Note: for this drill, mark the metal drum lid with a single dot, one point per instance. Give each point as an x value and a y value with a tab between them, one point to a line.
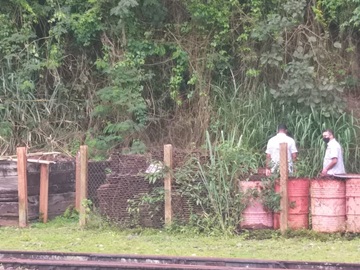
347	176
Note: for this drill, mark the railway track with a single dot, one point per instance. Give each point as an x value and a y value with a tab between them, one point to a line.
85	261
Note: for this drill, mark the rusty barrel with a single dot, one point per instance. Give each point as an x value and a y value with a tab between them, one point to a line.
353	205
255	215
298	199
328	208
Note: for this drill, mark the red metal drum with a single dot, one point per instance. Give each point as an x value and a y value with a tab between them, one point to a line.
298	197
328	208
353	205
255	216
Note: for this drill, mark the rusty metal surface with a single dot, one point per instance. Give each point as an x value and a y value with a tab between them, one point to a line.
62	260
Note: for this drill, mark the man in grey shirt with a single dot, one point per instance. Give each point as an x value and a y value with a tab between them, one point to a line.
333	159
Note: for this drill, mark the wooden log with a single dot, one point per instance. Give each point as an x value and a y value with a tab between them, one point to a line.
284	170
22	186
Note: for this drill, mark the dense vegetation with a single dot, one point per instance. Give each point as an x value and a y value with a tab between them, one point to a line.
145	72
215	73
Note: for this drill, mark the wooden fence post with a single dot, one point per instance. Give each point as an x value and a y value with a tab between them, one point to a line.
284	169
77	182
22	186
83	183
168	161
44	192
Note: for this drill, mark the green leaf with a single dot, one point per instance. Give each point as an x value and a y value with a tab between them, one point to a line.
273	91
300	100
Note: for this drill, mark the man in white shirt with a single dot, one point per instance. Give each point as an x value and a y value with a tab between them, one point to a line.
333	159
273	150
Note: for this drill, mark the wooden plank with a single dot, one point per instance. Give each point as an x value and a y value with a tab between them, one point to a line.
30	155
9	209
83	183
77	182
9	183
22	186
44	192
7	222
36	161
284	170
42	154
9	196
168	161
41	161
58	203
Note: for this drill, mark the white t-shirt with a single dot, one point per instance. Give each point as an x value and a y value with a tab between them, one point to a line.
273	149
333	150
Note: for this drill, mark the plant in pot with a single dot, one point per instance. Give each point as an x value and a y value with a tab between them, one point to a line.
263	201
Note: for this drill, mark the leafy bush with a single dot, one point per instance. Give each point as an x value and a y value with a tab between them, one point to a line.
212	184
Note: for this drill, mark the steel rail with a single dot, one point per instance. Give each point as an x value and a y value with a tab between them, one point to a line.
85	265
84	261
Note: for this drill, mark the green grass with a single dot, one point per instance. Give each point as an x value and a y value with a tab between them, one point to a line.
66	236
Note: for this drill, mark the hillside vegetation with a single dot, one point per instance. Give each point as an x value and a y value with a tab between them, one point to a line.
137	73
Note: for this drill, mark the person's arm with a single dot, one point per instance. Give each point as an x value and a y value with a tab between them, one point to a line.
294	158
268	165
328	167
293	150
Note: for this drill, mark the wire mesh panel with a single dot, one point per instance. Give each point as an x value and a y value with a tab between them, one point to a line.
126	181
115	184
182	205
97	172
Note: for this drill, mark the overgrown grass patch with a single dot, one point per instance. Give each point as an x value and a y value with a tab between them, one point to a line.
66	236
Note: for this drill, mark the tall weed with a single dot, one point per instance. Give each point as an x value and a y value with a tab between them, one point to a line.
212	184
256	116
